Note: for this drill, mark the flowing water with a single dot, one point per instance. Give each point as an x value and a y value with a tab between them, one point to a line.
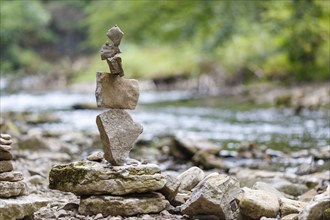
226	125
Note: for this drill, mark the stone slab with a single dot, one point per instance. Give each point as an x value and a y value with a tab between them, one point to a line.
12	176
12	189
113	91
93	178
18	208
118	132
123	205
6	166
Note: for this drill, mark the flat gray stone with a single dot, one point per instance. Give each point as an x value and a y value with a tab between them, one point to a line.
19	207
12	189
118	132
6	166
113	91
93	178
123	205
5	136
4	141
215	195
12	176
5	155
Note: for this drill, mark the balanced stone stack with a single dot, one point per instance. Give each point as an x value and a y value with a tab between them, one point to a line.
121	185
11	184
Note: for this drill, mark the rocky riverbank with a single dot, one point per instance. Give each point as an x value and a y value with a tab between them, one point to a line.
293	183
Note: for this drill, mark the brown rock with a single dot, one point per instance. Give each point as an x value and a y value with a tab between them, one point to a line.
5	155
118	132
115	35
112	91
115	65
13	176
5	166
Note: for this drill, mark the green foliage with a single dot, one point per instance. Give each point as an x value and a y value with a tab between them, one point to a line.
283	40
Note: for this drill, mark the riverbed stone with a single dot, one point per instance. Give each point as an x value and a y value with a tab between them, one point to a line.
5	136
12	176
293	216
289	206
6	166
113	91
93	178
5	155
215	195
190	178
12	189
171	187
19	207
96	156
123	205
258	203
294	189
118	132
318	208
4	141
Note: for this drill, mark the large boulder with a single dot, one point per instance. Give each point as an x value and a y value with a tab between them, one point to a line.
20	207
118	132
123	205
93	178
215	195
258	203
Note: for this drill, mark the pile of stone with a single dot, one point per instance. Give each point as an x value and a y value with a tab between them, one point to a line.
11	182
120	185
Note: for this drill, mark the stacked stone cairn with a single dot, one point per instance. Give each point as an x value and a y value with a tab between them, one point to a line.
120	185
11	182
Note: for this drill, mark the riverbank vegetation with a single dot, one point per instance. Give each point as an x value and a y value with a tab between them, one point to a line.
243	41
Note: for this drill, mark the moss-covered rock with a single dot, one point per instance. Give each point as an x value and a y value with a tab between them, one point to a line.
93	178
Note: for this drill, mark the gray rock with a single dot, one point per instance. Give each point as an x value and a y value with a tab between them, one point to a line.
113	91
6	166
93	178
316	209
115	35
180	198
268	188
96	156
5	147
33	142
12	189
215	195
18	208
289	206
5	155
294	189
12	176
123	205
171	187
118	132
258	203
5	141
190	178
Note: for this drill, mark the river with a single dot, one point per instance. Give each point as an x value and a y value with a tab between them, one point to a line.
227	126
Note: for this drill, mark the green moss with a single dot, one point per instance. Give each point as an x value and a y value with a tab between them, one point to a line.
60	175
